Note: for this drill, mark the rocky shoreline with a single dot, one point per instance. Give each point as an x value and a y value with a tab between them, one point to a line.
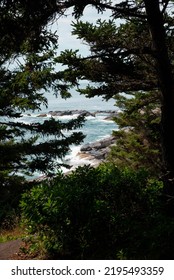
97	151
110	113
91	153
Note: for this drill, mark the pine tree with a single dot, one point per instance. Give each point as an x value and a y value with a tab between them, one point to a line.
138	136
28	70
135	56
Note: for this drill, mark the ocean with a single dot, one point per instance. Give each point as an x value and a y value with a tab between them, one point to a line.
95	128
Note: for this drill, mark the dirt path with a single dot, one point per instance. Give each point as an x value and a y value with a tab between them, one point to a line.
9	249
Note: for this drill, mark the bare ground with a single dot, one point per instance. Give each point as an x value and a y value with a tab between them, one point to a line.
10	249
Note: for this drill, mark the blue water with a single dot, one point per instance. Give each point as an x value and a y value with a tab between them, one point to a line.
95	128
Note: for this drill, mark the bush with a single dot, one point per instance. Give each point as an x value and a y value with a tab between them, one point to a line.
11	189
97	213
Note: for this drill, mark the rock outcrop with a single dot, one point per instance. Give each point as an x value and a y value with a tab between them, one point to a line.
71	112
97	150
110	113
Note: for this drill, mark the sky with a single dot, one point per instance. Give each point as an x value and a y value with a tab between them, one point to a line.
64	28
69	41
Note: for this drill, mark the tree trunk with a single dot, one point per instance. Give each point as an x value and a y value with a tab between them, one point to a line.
166	84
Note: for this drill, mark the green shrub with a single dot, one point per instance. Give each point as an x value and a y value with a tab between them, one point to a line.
97	213
11	189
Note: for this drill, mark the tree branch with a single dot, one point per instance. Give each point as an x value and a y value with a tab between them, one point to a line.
134	51
123	11
165	2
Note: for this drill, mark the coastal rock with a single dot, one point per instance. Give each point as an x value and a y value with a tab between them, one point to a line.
105	111
71	112
97	150
101	144
98	154
109	114
86	148
59	113
42	116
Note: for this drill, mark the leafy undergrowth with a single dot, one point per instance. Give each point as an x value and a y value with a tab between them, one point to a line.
30	248
100	213
30	251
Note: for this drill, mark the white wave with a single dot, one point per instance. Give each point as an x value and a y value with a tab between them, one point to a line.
74	159
90	118
67	117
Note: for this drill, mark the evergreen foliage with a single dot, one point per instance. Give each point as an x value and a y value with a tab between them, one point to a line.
135	56
100	213
28	70
119	63
138	136
116	61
